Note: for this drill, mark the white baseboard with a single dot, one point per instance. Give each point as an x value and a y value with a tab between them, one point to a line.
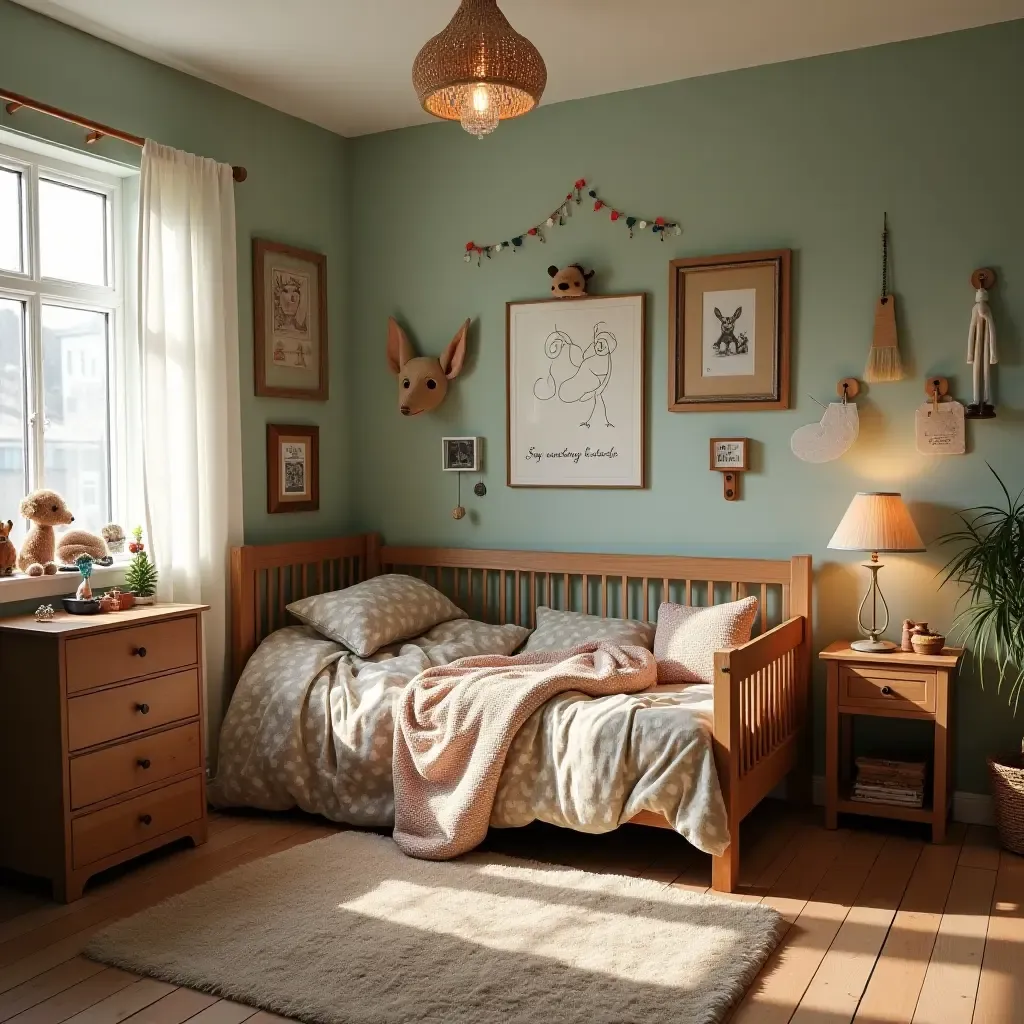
970	808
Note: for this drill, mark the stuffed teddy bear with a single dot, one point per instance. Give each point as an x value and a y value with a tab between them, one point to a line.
45	510
570	281
8	556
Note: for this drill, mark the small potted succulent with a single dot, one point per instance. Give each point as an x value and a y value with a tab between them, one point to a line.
989	563
141	576
114	536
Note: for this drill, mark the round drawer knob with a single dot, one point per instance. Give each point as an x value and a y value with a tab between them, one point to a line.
139	651
145	819
887	691
143	763
143	709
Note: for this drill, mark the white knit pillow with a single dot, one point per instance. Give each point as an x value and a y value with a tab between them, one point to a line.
687	638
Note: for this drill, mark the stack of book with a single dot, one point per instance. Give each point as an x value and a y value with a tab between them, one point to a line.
889	782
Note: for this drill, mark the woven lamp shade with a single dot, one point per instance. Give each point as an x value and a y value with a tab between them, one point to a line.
877	521
479	48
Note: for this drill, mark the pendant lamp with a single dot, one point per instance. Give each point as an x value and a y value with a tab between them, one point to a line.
479	70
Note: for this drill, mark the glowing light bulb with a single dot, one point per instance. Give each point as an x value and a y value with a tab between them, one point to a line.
479	114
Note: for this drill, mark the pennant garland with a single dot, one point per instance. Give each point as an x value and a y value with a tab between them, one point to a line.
659	226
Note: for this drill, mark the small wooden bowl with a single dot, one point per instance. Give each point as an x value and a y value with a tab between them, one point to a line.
927	644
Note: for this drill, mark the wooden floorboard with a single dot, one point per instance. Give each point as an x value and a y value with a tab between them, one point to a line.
880	927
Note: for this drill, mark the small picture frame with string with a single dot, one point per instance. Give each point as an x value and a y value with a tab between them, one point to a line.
460	454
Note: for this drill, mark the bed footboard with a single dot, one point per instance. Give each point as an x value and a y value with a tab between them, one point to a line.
761	707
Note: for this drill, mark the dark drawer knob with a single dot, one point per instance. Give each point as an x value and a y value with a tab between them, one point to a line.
143	762
145	819
886	691
140	651
143	709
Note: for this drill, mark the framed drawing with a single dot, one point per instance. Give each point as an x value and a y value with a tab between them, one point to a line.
729	454
729	332
293	468
289	321
574	371
460	454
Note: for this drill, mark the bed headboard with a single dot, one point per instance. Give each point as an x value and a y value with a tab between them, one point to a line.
506	586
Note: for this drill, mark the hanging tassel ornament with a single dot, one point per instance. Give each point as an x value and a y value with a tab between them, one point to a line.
884	363
981	347
459	512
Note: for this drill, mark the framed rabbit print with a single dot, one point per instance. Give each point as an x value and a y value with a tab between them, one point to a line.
729	332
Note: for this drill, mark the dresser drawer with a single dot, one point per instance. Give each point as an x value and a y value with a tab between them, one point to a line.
128	766
134	708
871	687
121	654
102	833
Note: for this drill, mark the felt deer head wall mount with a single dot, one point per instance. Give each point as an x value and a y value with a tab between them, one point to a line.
423	380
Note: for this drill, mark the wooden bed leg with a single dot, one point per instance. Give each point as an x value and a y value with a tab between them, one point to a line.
725	870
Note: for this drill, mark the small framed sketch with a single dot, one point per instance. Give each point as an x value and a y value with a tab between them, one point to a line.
293	468
289	321
730	454
460	454
575	392
729	332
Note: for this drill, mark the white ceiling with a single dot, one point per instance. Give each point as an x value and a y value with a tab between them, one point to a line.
345	64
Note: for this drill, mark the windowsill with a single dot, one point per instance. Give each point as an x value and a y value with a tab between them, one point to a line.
27	588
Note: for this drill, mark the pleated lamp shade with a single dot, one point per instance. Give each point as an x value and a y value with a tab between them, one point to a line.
877	521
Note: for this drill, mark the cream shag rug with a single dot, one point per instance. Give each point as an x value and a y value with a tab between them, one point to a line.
348	930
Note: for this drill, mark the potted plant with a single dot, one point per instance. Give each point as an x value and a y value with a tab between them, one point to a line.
990	564
140	577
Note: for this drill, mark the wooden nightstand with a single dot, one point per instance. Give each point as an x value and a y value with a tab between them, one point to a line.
896	685
101	739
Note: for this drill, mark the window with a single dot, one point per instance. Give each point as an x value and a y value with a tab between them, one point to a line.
60	321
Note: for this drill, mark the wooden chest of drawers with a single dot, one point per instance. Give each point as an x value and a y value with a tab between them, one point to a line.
101	740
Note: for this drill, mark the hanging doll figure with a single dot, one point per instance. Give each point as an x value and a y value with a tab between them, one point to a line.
981	347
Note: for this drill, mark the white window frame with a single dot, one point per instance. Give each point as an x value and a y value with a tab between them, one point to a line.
37	161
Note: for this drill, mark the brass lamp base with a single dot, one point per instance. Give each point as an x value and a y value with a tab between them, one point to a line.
873	646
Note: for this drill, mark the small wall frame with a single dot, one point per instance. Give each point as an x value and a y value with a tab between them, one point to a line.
461	454
293	468
730	456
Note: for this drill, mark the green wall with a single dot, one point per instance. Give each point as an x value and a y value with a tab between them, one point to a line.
297	192
805	155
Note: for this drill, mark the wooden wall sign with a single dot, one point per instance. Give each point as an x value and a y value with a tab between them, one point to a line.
730	457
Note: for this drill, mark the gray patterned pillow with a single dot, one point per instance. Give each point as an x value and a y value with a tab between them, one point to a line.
557	631
376	612
463	638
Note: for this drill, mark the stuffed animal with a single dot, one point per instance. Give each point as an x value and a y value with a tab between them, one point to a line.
45	510
570	281
423	380
8	556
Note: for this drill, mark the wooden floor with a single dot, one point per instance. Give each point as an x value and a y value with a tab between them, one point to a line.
882	927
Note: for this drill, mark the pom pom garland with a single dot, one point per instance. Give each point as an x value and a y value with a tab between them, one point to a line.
660	226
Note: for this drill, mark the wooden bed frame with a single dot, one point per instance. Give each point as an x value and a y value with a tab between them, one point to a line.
761	690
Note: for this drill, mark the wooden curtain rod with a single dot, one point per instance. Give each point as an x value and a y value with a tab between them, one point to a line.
97	131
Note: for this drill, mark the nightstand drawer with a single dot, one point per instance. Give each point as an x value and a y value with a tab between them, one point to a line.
128	766
127	710
102	833
120	654
868	686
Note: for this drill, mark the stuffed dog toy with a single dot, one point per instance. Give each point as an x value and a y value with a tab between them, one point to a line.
8	556
423	380
45	510
570	281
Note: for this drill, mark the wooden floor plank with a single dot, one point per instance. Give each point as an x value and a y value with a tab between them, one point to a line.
1001	987
774	997
124	1004
981	848
224	1011
951	982
892	992
78	998
174	1008
840	980
48	984
15	902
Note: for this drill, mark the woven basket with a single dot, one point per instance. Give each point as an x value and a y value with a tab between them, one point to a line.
927	643
1008	791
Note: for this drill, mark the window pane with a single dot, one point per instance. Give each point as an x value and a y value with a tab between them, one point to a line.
13	431
76	449
10	220
72	233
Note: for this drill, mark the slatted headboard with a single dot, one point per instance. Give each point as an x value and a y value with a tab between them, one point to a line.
507	586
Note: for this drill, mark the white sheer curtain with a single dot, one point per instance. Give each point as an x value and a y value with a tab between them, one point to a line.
188	363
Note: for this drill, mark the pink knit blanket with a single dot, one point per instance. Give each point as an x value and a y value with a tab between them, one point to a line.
455	723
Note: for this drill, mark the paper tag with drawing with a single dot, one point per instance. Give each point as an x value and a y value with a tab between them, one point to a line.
940	429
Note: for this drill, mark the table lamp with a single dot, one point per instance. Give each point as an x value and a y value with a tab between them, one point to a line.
875	521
